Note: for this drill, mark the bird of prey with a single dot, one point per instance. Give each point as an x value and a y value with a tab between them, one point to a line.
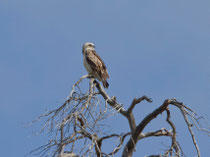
94	64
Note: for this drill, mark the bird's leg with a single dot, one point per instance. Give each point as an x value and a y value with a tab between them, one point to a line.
91	85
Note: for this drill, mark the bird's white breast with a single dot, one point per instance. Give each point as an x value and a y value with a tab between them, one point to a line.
86	65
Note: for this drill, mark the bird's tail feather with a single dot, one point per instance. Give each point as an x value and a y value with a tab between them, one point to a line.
105	84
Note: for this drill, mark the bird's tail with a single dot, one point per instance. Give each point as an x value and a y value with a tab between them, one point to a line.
105	84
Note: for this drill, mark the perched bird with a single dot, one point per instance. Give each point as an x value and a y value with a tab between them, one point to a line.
93	63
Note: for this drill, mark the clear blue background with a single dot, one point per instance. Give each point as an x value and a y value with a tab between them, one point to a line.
156	48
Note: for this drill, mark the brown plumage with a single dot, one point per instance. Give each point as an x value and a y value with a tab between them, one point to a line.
94	64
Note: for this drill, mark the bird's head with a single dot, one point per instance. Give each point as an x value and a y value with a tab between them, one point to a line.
87	45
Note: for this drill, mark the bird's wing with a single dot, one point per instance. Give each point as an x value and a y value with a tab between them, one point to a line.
96	63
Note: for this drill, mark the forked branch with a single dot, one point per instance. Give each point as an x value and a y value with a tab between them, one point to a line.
78	121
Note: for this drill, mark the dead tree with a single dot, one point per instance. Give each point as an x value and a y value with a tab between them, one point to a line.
77	131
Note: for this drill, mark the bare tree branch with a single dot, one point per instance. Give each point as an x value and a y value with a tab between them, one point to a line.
78	122
130	146
136	101
190	130
128	114
173	137
161	132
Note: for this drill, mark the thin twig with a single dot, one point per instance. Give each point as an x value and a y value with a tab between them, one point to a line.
190	130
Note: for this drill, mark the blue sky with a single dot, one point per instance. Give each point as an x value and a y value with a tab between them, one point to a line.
156	48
